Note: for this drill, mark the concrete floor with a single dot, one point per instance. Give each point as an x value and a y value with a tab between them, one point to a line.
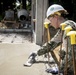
13	56
15	37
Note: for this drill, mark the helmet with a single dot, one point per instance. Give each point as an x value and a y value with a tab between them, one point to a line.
54	8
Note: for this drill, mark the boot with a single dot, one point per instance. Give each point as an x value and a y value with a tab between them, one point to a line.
31	60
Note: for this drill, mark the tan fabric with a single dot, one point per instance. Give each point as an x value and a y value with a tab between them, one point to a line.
57	37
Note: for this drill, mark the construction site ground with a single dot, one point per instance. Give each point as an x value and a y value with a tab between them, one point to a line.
14	51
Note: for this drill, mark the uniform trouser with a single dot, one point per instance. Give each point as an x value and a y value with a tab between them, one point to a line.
70	62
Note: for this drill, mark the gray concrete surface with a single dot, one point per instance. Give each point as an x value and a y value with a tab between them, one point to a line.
14	55
15	37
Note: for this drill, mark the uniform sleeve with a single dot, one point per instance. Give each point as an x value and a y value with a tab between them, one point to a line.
71	23
51	45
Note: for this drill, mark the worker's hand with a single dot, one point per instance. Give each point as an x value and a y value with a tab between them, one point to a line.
62	54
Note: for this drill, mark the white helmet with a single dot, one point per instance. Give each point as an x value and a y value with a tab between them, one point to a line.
54	8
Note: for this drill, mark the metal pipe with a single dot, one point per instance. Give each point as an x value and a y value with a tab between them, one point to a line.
72	35
62	31
67	29
15	30
46	25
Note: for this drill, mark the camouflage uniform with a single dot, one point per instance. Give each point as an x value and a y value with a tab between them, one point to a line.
56	41
70	58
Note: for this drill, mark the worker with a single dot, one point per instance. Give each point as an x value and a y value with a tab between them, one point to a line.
56	14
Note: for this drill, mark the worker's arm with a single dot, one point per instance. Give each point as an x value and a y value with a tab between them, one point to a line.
50	46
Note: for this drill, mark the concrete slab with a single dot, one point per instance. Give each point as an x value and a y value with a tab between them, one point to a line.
13	56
